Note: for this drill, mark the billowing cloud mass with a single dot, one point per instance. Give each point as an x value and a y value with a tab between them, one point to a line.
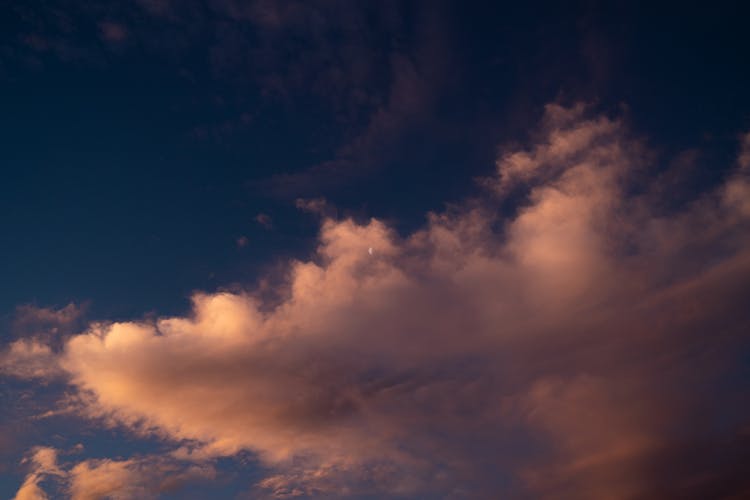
584	345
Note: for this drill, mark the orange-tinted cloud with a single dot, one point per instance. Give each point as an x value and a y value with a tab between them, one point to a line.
135	478
560	351
29	359
43	461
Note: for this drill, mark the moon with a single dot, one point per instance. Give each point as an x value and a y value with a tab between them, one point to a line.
369	250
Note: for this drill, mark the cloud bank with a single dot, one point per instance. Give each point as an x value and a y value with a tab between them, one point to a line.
582	344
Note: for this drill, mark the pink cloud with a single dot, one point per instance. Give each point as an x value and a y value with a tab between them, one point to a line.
43	461
264	220
141	477
30	317
580	327
113	32
29	359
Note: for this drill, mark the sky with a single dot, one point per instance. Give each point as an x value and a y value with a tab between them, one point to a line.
390	249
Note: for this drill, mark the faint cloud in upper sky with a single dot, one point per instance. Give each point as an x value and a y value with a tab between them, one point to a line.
264	220
318	206
113	32
30	319
242	242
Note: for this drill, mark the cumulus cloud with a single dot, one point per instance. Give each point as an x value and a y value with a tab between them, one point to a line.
560	351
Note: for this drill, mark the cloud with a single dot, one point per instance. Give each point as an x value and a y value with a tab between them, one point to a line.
264	220
377	69
737	190
570	135
560	352
382	90
43	462
30	490
318	206
29	359
30	319
113	32
135	478
409	98
744	158
40	331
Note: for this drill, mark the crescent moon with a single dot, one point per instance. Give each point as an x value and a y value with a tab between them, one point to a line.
369	250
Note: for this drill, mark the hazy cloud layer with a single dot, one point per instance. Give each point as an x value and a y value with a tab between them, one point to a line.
575	349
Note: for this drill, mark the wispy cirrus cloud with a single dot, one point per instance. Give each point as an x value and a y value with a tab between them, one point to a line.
561	352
